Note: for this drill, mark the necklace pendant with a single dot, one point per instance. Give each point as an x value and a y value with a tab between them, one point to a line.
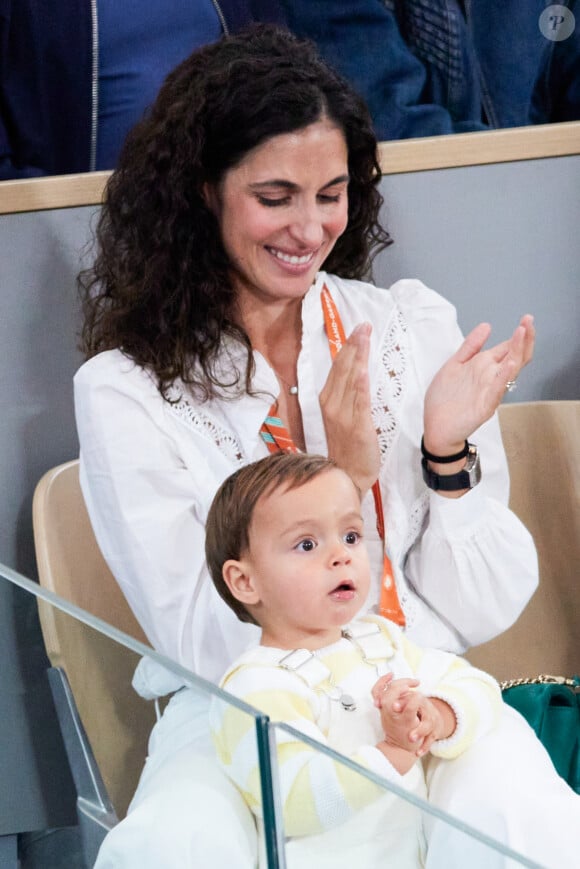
293	390
348	703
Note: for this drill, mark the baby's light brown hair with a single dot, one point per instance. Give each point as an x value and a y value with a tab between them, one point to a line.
230	515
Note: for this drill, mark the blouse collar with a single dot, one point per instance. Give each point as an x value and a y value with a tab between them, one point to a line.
246	413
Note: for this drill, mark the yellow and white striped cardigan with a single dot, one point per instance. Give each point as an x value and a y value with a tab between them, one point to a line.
319	793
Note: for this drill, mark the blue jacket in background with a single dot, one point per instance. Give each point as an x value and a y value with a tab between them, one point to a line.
412	61
429	67
511	53
556	95
425	67
49	77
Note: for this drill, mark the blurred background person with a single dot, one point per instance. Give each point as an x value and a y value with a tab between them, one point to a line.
432	67
76	76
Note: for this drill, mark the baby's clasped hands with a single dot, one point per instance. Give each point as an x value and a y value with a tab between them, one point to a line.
411	720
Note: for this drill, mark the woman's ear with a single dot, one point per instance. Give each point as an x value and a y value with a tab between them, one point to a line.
236	575
210	197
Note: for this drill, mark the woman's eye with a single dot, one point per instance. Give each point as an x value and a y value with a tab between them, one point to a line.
326	197
272	203
306	545
352	537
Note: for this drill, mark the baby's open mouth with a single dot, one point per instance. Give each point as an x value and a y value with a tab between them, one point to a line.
344	590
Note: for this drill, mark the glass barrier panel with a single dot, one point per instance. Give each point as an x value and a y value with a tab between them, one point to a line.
336	812
109	731
333	810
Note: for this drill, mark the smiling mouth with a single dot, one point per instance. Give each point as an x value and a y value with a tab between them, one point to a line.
291	259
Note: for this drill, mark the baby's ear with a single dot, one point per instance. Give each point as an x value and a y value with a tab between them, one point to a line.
237	578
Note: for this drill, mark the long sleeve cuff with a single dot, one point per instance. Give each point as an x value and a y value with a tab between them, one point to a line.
456	517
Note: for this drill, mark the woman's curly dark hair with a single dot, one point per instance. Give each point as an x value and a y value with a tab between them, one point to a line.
160	287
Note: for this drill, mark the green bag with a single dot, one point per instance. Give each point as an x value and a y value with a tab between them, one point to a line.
551	705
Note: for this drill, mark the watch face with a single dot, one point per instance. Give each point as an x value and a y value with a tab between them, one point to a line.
473	467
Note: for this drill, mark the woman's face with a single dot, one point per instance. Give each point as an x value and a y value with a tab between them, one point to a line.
281	211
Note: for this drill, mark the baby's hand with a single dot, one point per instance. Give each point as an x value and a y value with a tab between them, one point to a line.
397	701
411	720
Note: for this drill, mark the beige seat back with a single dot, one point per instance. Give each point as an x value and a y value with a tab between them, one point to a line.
542	442
117	721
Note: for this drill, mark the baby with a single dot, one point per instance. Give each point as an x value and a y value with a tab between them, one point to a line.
285	548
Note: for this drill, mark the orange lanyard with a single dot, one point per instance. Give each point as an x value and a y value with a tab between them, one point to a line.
277	437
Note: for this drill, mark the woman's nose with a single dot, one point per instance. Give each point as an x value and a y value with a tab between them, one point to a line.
307	228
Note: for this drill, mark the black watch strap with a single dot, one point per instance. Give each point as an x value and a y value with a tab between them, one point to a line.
444	460
466	478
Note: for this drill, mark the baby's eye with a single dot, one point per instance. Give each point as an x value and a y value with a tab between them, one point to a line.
306	545
352	537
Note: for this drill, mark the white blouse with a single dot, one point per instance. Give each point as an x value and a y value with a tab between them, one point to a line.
464	567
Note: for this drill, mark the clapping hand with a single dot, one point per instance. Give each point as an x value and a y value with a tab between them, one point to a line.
468	388
464	393
345	402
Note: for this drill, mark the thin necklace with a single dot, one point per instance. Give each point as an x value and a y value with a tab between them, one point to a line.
292	390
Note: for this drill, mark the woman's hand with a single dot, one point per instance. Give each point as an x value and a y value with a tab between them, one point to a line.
467	390
345	402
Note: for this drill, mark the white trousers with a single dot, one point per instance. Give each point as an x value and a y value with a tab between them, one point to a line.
506	787
186	814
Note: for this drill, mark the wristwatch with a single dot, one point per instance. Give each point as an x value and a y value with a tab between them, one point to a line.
466	478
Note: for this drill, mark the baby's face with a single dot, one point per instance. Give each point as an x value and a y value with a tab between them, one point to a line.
308	562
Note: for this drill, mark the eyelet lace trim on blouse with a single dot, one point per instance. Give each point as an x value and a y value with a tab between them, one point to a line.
388	395
206	426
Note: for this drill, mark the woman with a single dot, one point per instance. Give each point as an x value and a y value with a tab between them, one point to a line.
207	313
